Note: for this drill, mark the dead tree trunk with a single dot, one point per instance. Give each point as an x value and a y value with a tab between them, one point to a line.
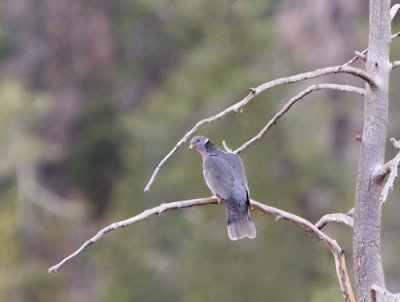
367	219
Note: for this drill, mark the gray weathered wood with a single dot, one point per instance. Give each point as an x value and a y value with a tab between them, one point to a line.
367	217
381	295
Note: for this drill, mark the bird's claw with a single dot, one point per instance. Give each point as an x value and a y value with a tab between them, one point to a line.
218	199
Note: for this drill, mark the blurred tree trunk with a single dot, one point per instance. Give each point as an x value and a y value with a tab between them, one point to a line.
367	221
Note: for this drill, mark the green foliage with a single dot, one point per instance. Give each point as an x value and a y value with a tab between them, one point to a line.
94	159
7	43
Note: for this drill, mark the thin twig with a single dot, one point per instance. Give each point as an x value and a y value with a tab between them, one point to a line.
253	93
291	102
337	252
395	64
342	218
363	54
389	168
357	56
395	35
227	149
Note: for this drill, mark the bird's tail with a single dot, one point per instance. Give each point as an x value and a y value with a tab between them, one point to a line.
240	225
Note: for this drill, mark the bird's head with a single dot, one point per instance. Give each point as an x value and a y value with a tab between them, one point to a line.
200	143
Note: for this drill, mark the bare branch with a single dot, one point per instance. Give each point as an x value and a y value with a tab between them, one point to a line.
253	93
346	219
379	294
395	64
291	102
395	35
314	74
363	54
337	252
227	149
389	168
142	216
393	11
357	56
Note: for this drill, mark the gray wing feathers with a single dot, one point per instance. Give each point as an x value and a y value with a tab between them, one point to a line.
238	167
225	176
218	175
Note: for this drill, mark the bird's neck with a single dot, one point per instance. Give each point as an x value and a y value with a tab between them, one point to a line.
210	147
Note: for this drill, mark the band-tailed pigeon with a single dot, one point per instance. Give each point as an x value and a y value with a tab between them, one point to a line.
225	176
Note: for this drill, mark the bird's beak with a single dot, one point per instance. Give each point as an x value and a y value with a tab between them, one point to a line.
191	146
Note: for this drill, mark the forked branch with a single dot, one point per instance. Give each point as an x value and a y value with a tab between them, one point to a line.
304	224
253	93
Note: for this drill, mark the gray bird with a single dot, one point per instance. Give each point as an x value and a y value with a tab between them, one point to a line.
225	176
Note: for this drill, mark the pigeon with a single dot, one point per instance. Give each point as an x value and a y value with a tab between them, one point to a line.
225	176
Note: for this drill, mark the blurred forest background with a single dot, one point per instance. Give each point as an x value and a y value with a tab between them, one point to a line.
94	93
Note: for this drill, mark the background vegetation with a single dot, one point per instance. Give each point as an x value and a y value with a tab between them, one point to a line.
94	93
